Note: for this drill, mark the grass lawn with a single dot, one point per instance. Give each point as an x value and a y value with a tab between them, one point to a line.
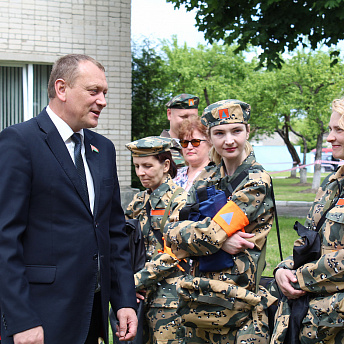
290	189
288	236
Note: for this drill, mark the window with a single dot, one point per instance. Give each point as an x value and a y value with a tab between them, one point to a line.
41	75
23	92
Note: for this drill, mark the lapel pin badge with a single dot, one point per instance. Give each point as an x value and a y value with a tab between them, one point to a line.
94	149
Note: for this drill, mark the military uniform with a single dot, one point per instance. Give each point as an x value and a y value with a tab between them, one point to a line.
195	239
323	278
181	101
222	304
176	150
161	270
160	274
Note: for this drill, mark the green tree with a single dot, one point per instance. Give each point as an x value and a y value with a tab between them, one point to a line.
302	89
149	91
318	84
272	101
275	25
149	94
210	72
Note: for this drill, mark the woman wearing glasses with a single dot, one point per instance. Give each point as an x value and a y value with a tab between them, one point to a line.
195	148
223	226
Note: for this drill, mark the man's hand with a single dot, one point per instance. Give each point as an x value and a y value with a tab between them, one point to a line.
283	278
237	242
127	324
32	336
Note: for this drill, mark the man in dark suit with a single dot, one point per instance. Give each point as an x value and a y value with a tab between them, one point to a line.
63	250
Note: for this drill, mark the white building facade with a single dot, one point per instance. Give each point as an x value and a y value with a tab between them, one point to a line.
34	33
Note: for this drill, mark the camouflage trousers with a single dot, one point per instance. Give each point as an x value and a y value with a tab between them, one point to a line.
164	326
323	323
223	317
247	334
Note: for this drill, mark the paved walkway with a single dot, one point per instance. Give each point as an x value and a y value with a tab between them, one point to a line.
293	208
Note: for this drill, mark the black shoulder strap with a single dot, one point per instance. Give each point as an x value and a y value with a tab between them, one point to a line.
202	194
234	184
261	260
276	221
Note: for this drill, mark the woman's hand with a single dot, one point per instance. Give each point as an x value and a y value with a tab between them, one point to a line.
284	278
237	242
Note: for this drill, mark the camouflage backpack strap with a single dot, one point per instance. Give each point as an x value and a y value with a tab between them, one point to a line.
176	193
183	264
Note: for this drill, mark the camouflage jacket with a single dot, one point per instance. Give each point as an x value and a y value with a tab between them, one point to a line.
325	275
160	271
323	278
252	196
176	150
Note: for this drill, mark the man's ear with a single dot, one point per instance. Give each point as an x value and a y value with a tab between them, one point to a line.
60	89
169	111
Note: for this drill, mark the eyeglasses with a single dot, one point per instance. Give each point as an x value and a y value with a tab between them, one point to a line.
194	142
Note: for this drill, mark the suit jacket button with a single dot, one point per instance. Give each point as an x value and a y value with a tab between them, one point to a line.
95	257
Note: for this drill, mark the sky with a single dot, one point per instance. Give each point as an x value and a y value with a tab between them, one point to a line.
157	19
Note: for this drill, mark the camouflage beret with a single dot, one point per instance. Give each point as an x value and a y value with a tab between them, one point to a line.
226	111
151	145
183	101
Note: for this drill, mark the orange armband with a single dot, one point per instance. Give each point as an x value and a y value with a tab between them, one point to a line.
231	218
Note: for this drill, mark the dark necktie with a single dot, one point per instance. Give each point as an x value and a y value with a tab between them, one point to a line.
79	164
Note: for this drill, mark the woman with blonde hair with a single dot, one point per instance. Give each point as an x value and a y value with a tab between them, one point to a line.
223	226
319	281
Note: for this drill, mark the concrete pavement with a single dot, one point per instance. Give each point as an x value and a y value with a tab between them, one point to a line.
293	208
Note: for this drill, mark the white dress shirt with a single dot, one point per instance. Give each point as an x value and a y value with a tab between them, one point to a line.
66	132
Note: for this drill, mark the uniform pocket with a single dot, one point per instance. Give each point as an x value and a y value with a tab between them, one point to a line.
213	305
336	214
326	311
334	231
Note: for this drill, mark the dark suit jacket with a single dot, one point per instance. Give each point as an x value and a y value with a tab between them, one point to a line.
49	238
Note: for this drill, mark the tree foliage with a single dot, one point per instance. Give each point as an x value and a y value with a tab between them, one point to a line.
212	73
149	91
274	25
317	84
302	89
149	95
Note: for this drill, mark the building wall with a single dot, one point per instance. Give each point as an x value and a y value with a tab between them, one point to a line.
39	31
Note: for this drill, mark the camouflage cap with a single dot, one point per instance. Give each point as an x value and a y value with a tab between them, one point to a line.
183	101
150	145
226	111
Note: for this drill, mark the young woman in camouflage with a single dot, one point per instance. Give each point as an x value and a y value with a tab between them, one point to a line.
156	282
220	301
321	279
